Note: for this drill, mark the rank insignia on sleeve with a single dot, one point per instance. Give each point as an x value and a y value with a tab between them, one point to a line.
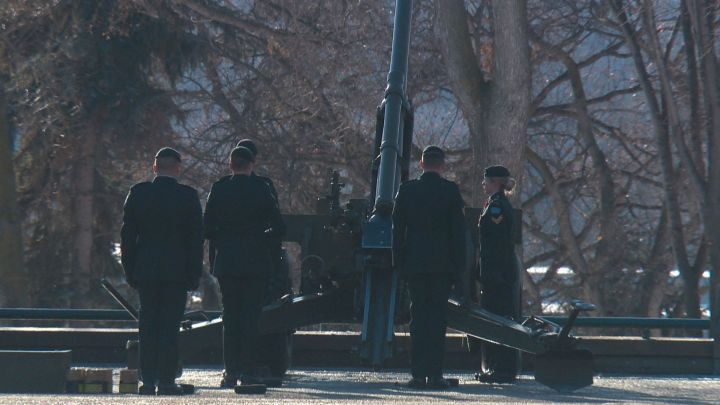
497	220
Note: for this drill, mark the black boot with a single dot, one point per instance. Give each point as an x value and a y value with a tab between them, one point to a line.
416	383
146	389
229	380
251	379
438	383
169	389
495	377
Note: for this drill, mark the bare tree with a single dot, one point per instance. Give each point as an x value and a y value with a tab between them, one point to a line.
14	290
591	189
677	130
495	103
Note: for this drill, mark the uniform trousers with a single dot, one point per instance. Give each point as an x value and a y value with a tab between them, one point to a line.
500	299
162	306
242	299
428	310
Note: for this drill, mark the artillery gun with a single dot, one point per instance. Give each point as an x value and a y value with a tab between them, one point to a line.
347	272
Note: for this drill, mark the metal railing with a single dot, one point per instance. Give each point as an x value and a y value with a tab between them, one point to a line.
634	322
66	314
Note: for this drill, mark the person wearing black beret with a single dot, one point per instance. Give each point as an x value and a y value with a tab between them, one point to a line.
429	252
161	245
250	144
498	271
279	284
241	220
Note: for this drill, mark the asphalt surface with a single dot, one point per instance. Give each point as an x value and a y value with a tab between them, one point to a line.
354	386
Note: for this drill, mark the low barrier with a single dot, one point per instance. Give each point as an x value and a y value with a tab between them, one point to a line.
639	355
65	314
632	355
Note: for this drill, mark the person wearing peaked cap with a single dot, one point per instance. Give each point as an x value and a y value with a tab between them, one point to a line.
168	152
241	221
161	245
429	252
499	271
433	151
279	283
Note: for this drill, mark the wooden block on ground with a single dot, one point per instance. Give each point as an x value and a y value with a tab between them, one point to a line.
128	388
34	371
128	375
97	381
74	378
128	381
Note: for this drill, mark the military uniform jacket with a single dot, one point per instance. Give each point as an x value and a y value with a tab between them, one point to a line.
498	263
241	220
264	179
428	227
161	236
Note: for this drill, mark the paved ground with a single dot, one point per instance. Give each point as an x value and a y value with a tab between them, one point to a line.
313	386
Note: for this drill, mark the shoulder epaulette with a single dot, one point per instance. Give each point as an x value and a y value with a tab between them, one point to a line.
409	183
140	185
263	178
189	188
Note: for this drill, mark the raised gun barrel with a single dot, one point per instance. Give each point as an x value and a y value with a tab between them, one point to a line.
393	141
380	281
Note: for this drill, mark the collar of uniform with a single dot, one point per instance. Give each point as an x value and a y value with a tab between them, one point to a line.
240	176
496	196
430	175
164	179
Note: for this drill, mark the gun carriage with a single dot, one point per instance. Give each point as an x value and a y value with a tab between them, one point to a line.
347	272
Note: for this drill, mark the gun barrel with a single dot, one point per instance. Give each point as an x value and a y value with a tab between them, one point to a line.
390	148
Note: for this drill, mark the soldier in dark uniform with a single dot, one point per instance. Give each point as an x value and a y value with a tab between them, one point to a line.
429	251
248	143
279	281
162	258
498	272
241	220
278	285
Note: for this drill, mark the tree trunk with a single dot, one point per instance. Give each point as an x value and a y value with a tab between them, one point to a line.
496	111
210	296
83	214
466	80
14	285
702	19
691	294
531	294
610	240
567	235
510	91
657	268
664	122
